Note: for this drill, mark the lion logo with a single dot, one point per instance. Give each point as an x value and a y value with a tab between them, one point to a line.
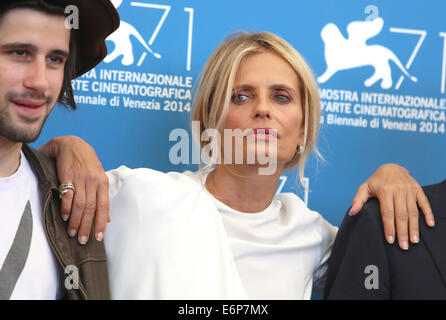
353	52
123	44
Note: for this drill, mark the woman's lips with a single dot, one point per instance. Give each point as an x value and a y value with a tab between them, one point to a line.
262	133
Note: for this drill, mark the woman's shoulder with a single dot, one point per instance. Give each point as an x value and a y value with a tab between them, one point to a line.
296	208
150	203
294	204
146	179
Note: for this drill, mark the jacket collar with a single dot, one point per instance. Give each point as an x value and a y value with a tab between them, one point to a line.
435	238
45	177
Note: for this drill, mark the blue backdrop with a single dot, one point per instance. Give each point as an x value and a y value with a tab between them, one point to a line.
131	102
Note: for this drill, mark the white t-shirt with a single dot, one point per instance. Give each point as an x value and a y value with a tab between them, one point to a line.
279	253
170	239
39	278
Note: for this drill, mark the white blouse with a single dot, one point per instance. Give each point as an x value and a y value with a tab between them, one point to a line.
171	239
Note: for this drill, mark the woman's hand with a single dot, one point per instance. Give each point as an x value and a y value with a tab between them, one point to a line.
398	194
78	164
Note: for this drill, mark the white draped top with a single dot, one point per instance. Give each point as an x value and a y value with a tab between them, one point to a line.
171	239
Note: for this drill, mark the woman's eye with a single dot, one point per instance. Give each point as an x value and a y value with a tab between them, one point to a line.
282	98
239	98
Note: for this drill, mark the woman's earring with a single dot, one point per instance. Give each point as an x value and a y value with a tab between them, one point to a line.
300	149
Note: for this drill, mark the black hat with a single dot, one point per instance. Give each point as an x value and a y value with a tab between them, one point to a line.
97	20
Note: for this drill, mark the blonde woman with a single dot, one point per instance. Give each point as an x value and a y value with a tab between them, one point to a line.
222	233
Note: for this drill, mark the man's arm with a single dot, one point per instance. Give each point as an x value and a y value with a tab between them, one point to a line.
358	266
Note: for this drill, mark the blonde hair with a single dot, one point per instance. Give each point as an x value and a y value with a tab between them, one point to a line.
217	79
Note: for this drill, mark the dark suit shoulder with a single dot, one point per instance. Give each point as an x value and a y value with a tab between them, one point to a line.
367	220
436	194
359	246
417	273
429	189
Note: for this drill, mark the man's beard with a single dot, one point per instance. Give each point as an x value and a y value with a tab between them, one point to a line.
27	133
19	134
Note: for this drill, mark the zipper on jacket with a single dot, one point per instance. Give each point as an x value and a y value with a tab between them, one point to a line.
45	210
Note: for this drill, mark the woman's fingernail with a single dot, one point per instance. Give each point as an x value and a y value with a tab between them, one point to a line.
100	236
405	245
83	240
415	238
65	217
390	239
72	233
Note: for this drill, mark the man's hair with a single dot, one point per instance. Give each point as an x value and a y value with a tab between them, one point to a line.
66	96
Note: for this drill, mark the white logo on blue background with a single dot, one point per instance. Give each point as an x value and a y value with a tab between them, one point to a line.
353	52
122	38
